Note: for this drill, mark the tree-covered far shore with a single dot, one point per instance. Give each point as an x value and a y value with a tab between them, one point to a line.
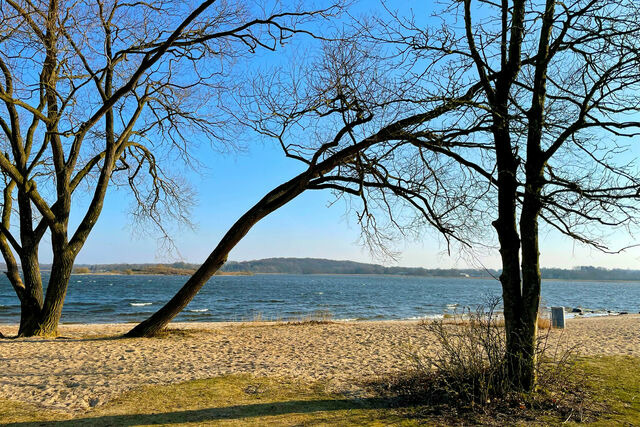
327	266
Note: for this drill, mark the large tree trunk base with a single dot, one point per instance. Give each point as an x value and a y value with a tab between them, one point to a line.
522	372
29	319
521	360
38	330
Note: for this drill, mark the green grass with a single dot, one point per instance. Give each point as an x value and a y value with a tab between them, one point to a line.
240	400
616	383
231	400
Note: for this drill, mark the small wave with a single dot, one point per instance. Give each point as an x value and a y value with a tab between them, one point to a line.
140	304
198	310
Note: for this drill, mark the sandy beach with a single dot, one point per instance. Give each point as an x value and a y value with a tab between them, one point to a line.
87	367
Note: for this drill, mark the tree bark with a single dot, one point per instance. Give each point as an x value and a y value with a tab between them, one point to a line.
531	281
531	206
56	293
51	312
506	228
526	322
32	298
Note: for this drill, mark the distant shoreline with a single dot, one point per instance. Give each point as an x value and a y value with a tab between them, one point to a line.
320	266
151	273
249	273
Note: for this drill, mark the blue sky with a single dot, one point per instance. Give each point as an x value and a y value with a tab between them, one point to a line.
306	227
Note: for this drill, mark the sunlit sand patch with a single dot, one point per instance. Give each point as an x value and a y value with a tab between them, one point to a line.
90	367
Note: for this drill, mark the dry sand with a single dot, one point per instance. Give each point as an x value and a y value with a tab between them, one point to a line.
85	369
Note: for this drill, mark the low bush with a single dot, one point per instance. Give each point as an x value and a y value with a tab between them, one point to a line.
467	375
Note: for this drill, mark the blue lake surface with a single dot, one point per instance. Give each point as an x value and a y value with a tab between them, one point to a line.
115	298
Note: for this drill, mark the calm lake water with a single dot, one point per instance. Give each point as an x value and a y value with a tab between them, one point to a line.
102	299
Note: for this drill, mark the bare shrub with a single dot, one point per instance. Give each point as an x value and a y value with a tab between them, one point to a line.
469	366
468	374
318	317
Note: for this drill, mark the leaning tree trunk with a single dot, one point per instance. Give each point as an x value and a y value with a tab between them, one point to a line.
275	199
272	201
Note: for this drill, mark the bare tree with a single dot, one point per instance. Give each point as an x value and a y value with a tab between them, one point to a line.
485	121
559	95
322	117
94	92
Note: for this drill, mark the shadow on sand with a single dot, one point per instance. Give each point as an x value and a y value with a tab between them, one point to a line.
224	413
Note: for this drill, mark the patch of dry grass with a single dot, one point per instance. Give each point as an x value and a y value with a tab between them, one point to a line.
463	320
316	317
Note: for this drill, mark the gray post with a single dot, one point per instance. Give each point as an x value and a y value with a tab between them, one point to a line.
557	317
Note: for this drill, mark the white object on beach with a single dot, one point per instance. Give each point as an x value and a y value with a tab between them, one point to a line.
557	317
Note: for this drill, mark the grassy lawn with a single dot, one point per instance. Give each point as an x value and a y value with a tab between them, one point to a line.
230	400
244	400
616	382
